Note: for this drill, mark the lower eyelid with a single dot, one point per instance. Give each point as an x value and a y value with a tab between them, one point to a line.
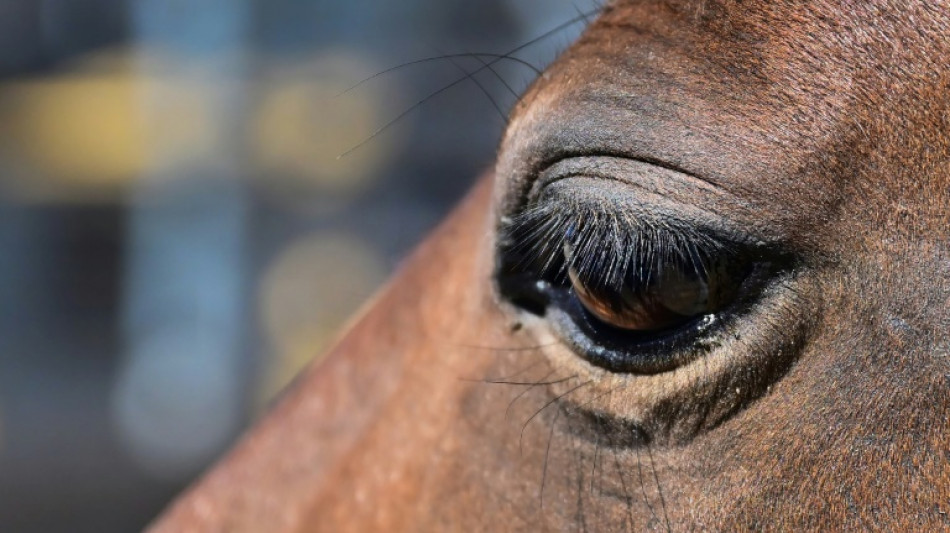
657	188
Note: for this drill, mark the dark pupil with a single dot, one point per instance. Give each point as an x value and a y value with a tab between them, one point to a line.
670	295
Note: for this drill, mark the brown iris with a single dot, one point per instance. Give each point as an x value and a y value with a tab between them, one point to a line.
671	296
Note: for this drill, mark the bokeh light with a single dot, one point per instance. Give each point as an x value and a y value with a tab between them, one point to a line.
305	118
307	293
175	406
80	125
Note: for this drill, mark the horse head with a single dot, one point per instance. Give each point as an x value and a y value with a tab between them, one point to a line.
706	287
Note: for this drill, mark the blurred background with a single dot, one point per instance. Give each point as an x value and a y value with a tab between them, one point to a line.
178	234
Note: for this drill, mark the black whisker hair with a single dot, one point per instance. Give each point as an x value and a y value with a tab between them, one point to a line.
444	88
441	57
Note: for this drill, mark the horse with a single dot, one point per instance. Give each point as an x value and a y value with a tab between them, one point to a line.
706	287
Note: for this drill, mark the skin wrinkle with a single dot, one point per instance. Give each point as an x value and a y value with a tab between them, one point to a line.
824	406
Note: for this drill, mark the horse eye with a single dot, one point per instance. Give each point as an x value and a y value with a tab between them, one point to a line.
630	291
673	295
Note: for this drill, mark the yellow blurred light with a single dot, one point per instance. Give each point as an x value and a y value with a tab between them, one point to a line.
117	114
86	128
110	118
307	294
303	123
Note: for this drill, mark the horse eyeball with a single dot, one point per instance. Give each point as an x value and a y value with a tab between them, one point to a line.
671	298
683	294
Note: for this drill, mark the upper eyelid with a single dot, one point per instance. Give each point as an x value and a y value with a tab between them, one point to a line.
651	206
621	169
678	195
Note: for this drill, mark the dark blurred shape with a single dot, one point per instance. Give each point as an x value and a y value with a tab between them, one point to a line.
41	34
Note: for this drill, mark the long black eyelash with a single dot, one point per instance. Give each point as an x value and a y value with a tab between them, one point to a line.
610	245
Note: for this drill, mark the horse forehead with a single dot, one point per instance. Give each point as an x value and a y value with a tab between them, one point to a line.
747	18
810	48
813	46
741	91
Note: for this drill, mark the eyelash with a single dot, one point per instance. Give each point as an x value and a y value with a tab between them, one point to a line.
607	246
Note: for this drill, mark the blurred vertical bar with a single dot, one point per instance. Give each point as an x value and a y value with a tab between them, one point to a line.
180	391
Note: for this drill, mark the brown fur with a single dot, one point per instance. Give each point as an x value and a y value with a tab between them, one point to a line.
824	125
